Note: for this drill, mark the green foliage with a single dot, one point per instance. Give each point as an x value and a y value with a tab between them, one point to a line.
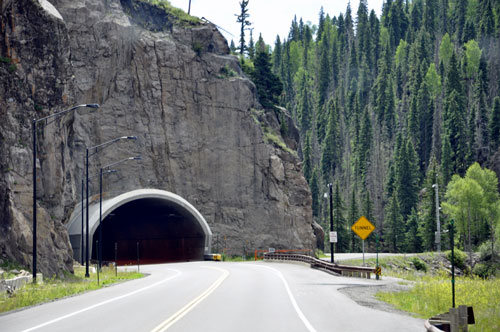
227	72
419	264
242	18
197	48
269	86
425	72
178	13
473	55
459	258
445	49
494	126
432	295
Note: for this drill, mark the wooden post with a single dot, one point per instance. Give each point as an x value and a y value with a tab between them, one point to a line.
462	319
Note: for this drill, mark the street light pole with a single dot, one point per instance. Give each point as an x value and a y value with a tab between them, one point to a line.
33	128
100	200
332	257
83	220
438	224
96	149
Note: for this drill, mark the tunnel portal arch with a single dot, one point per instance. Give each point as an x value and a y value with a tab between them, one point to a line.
166	226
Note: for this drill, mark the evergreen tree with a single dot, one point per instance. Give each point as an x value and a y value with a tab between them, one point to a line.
251	46
232	47
269	87
353	217
307	168
306	111
413	243
339	221
331	144
430	15
315	192
406	178
393	226
277	56
495	125
446	160
321	24
324	71
427	224
242	18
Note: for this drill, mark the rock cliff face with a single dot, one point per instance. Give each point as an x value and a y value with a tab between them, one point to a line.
173	85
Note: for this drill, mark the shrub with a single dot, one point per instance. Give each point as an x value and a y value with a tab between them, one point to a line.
197	48
460	258
419	264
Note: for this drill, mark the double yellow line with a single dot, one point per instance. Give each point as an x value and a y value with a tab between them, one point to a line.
191	305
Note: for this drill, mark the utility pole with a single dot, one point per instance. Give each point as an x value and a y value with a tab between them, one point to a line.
438	224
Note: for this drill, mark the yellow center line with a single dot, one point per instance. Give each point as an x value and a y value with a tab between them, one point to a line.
191	305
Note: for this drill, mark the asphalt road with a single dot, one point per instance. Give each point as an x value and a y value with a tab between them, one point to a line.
215	296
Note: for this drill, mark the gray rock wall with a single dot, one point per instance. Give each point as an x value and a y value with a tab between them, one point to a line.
177	89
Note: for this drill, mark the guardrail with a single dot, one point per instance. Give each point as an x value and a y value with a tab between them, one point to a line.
344	270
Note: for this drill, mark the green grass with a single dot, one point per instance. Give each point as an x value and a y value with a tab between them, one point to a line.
53	289
432	295
181	15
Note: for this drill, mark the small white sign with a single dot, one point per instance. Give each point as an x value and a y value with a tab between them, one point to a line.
272	250
333	237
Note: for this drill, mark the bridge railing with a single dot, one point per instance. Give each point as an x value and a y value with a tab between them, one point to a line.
344	270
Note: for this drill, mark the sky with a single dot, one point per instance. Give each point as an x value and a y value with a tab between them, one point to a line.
269	17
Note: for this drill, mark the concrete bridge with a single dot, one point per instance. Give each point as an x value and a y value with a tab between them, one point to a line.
166	226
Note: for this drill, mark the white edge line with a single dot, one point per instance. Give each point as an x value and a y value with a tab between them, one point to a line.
193	303
177	273
302	317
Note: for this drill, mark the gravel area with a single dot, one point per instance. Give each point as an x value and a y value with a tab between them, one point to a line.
365	295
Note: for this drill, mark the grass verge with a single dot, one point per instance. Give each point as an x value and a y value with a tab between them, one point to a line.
432	295
53	289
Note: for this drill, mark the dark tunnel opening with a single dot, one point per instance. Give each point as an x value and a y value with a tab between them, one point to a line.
153	229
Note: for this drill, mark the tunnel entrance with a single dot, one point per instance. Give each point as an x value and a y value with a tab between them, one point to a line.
153	229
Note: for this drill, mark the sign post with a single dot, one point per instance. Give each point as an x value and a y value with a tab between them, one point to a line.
363	228
333	237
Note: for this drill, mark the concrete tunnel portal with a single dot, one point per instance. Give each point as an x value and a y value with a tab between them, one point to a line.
157	225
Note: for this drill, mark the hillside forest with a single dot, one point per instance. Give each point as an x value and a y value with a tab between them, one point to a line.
390	110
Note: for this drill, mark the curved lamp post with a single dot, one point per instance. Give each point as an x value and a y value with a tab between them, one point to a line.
108	170
97	148
34	126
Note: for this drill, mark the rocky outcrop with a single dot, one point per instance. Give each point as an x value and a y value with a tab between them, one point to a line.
174	85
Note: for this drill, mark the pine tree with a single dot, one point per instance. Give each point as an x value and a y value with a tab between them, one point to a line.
315	192
406	178
324	71
393	226
427	224
495	125
307	168
331	144
251	46
446	159
413	243
232	47
277	56
353	217
242	19
339	221
269	87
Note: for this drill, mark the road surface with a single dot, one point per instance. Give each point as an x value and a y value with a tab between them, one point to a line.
215	296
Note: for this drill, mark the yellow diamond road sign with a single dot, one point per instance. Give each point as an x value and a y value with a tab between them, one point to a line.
362	227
